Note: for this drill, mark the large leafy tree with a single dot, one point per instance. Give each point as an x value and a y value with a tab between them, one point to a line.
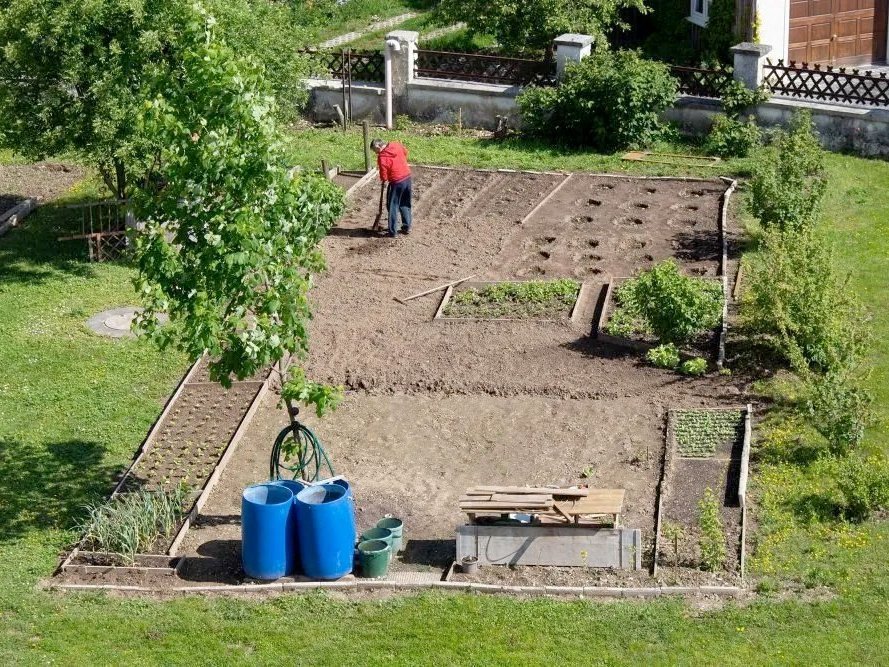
520	25
74	73
230	239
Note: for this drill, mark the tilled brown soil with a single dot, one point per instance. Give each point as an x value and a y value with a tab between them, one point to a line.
470	223
42	181
436	407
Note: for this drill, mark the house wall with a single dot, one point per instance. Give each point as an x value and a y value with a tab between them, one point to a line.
774	26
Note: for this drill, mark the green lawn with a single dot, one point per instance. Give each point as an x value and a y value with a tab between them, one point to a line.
352	16
74	407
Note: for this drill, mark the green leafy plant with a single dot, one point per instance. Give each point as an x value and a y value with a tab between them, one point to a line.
74	76
733	138
838	408
789	183
863	486
720	34
674	533
737	98
795	301
695	367
518	299
133	523
698	433
533	24
230	243
300	389
674	307
610	100
663	356
711	541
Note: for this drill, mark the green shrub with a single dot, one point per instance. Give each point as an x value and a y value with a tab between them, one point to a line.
737	98
675	307
789	181
795	301
712	538
610	100
269	33
863	486
720	34
663	356
838	408
733	138
695	367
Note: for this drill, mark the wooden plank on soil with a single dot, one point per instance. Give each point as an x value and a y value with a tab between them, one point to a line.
519	498
482	506
533	490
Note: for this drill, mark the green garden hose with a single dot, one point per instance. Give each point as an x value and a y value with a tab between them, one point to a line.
302	457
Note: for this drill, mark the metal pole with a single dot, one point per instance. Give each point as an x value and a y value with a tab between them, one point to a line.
365	128
343	84
349	60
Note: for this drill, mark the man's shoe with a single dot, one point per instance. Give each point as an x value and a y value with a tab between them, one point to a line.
405	230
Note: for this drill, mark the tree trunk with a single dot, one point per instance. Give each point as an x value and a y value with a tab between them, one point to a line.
120	173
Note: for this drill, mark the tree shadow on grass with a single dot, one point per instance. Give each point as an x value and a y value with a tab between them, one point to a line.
32	253
45	487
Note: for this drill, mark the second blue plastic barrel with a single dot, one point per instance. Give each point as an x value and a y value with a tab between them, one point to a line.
325	521
268	547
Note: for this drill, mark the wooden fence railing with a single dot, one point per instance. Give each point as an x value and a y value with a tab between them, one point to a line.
827	84
484	68
702	81
367	66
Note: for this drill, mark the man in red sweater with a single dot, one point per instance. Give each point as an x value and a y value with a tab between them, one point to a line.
394	170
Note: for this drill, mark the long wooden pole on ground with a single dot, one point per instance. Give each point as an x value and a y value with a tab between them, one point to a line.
435	289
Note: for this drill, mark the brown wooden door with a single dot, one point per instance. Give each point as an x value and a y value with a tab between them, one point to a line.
838	32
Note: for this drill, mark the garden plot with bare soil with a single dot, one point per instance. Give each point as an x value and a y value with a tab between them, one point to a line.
434	407
472	224
42	181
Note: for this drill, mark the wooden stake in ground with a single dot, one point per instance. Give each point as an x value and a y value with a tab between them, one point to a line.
434	289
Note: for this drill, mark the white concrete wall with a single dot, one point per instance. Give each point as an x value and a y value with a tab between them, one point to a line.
774	24
476	104
861	130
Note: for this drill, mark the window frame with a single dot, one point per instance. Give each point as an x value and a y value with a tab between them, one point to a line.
699	18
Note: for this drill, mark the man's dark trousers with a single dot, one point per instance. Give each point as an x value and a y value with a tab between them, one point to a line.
399	201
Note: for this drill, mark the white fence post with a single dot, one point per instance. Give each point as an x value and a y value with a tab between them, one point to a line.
749	62
400	52
571	48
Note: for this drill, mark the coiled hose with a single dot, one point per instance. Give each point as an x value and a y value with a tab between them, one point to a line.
298	454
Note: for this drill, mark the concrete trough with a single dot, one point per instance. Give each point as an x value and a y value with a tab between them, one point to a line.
564	546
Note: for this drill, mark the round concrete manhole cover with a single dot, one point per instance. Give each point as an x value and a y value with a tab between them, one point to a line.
116	323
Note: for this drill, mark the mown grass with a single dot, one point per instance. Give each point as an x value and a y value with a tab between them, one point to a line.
445	145
73	408
354	16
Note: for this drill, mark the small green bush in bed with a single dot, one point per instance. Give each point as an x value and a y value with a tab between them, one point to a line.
666	303
694	367
663	356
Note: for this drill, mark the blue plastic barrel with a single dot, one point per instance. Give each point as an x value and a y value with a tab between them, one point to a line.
295	486
325	522
268	547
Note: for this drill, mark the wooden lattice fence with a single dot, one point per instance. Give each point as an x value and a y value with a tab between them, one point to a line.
827	84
